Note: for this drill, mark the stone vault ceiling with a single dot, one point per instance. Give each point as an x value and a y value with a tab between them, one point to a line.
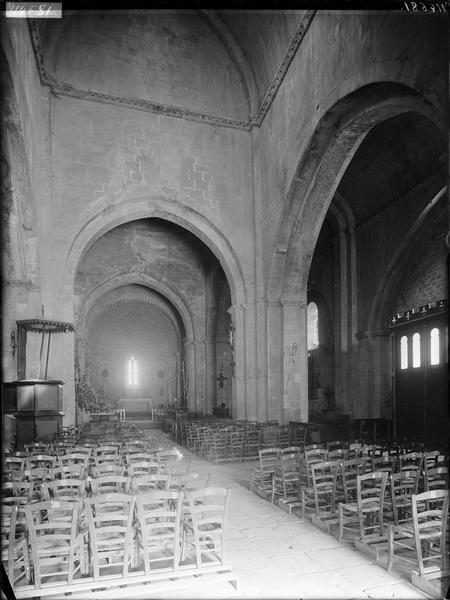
155	60
395	157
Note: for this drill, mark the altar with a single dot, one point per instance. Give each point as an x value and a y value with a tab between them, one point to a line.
136	406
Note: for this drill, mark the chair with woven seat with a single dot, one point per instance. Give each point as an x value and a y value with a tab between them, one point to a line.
104	469
108	484
204	528
13	543
145	483
67	472
189	482
436	479
261	475
349	471
312	455
74	458
403	485
144	468
365	516
423	539
158	529
63	489
37	447
41	461
110	522
384	463
56	544
411	461
320	497
286	477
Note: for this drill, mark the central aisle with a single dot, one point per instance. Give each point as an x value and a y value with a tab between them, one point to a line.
277	555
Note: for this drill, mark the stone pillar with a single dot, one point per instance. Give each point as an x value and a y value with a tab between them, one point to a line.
275	396
353	320
211	387
252	400
200	374
190	375
239	401
295	361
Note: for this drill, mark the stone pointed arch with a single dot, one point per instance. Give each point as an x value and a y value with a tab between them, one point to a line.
97	222
332	146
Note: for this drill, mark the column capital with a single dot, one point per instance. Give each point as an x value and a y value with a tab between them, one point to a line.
293	302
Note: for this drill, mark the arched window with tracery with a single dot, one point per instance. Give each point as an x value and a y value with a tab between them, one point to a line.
132	371
312	315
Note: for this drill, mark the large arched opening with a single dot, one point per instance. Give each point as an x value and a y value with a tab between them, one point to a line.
151	291
317	203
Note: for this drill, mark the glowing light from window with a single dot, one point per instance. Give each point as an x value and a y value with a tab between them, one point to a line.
416	350
404	352
434	346
132	371
312	315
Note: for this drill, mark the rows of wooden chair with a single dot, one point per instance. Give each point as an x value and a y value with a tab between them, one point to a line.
389	502
102	514
221	441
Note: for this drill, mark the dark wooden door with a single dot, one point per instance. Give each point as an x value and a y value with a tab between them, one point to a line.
421	379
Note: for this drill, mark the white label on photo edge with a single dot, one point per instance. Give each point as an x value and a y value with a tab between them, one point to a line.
33	10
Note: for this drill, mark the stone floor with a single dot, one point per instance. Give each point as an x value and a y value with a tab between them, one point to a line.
277	555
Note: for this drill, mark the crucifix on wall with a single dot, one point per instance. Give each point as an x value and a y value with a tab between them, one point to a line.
221	378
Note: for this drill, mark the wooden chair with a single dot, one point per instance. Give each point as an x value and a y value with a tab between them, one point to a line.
349	471
320	497
403	485
270	437
69	490
105	450
38	447
424	539
144	468
261	476
41	461
411	461
252	441
205	528
354	450
74	458
13	463
286	477
14	544
158	529
436	479
366	514
297	435
384	463
336	445
188	482
67	472
235	443
21	491
284	436
312	455
56	545
104	469
108	484
146	483
339	454
135	457
110	522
